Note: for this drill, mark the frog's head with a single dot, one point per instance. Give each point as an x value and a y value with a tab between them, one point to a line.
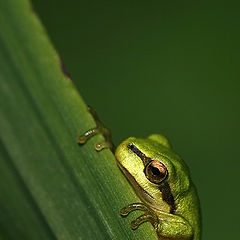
157	174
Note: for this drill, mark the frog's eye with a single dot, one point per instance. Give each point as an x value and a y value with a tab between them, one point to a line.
155	171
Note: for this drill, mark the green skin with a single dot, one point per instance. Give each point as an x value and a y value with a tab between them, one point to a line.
171	205
182	221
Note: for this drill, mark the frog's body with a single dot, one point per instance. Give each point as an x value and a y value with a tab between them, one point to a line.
161	180
174	199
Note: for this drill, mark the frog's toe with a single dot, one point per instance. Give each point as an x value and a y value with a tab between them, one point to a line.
143	218
125	211
81	139
100	146
84	137
134	206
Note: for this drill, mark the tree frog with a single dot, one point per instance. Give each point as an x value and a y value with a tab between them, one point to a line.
161	180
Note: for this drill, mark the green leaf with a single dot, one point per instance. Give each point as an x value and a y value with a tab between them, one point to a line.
51	188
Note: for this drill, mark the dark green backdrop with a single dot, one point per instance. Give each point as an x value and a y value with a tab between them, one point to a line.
163	66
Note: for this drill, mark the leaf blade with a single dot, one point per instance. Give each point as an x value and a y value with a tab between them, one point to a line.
41	115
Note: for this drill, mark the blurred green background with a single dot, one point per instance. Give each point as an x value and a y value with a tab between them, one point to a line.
168	67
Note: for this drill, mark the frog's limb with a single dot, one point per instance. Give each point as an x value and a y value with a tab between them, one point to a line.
167	226
173	226
99	129
149	215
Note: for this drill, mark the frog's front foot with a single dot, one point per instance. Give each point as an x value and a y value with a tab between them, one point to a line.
148	216
99	129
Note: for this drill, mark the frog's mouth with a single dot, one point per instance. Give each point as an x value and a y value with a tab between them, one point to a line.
141	192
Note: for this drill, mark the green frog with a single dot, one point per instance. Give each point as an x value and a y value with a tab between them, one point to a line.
161	180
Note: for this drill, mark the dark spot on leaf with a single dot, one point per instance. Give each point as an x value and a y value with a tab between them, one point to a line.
64	70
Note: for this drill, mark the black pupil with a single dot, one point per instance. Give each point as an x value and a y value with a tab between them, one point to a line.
155	171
